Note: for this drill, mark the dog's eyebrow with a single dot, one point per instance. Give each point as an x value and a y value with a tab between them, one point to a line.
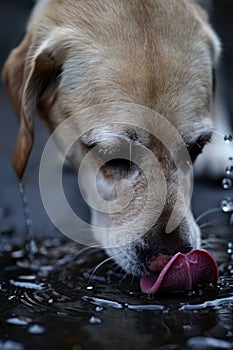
115	137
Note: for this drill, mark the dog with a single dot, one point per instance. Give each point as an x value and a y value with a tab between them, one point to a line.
99	56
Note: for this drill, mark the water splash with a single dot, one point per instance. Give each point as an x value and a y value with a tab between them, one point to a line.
30	245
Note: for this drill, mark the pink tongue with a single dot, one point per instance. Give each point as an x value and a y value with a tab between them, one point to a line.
183	272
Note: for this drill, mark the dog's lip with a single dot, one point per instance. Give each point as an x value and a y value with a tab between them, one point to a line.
182	272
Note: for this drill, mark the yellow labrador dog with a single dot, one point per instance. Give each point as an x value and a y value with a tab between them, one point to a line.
108	57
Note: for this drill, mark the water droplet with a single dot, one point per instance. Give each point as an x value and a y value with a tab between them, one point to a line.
227	205
89	287
10	345
50	301
36	329
228	138
18	321
11	297
95	320
99	308
229	170
226	183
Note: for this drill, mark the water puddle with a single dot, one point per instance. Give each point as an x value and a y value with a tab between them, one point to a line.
59	298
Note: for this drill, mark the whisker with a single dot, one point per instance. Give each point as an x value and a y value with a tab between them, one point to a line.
87	249
205	224
132	281
124	276
98	266
210	211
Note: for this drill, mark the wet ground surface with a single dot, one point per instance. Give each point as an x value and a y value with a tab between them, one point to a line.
56	298
60	298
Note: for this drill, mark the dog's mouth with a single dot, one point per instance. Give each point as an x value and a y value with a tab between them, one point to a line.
182	272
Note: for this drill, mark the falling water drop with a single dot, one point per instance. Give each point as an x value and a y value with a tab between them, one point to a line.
227	183
227	205
228	138
229	170
30	242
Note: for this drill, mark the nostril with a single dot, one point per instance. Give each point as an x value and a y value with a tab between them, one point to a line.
156	264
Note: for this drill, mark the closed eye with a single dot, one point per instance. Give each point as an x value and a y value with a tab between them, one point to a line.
196	148
115	157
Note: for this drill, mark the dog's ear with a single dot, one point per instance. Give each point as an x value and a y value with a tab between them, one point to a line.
28	73
204	7
202	12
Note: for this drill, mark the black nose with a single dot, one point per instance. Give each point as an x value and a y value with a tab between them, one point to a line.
160	248
164	249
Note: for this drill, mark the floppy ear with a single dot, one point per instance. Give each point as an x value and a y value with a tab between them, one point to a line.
205	5
27	74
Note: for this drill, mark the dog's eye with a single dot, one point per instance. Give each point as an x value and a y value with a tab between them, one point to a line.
114	159
119	164
194	150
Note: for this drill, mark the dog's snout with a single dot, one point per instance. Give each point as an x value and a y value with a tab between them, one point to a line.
160	247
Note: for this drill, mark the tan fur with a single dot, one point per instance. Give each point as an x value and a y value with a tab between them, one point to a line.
77	54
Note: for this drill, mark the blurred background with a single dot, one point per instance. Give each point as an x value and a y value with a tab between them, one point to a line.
13	18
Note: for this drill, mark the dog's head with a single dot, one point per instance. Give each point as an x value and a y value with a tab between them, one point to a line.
125	64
